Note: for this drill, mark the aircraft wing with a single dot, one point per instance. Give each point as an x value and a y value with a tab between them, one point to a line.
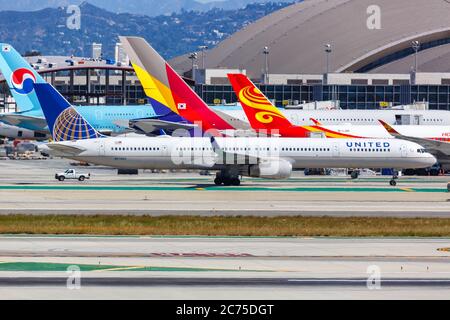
18	119
62	149
237	124
150	125
441	147
233	157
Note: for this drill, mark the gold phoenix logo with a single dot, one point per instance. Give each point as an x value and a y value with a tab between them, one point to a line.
254	98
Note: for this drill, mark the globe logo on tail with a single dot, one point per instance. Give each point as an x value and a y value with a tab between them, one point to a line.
22	81
70	126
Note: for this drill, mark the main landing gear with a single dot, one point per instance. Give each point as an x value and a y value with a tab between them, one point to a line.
355	175
226	179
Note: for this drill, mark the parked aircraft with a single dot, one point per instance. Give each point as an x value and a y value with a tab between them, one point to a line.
271	158
20	77
397	117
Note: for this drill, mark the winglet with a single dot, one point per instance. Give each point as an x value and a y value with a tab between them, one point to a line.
389	128
316	122
215	145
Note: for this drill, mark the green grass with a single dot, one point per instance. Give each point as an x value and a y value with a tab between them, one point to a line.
224	226
61	267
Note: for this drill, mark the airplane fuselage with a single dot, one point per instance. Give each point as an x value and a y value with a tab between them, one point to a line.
356	117
106	119
199	153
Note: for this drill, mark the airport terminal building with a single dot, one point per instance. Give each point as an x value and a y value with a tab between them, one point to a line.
98	84
352	91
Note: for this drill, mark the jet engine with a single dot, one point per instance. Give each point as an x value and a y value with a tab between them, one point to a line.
271	169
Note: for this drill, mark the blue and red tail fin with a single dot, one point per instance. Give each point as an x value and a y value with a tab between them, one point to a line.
165	87
20	77
64	122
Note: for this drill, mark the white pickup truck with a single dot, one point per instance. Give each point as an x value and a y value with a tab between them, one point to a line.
71	174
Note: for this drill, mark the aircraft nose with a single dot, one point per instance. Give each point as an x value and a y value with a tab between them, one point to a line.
431	160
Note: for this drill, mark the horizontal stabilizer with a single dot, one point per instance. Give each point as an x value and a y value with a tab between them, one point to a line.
62	149
432	146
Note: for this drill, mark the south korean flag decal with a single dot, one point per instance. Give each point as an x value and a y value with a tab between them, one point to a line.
182	106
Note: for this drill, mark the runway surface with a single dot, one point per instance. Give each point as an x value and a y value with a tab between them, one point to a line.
219	268
224	268
188	193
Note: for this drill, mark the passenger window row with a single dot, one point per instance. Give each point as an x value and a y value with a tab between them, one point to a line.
193	149
307	149
134	149
341	120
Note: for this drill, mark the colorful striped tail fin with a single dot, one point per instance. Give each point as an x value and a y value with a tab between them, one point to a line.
165	87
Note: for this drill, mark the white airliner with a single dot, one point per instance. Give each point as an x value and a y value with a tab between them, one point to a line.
356	117
271	158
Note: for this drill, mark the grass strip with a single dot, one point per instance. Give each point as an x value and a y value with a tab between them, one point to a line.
224	226
62	267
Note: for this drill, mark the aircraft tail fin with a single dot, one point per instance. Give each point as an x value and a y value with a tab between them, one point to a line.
389	128
64	122
165	87
261	113
20	77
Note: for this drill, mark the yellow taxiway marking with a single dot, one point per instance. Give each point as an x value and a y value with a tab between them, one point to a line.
119	269
407	189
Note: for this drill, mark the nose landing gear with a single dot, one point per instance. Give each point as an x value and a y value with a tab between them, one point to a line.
393	181
355	175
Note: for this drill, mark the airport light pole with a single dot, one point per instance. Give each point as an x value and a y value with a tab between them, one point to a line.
266	64
416	47
203	49
328	50
193	56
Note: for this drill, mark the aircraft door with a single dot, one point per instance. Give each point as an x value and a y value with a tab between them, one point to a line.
404	151
101	149
417	120
164	150
336	150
